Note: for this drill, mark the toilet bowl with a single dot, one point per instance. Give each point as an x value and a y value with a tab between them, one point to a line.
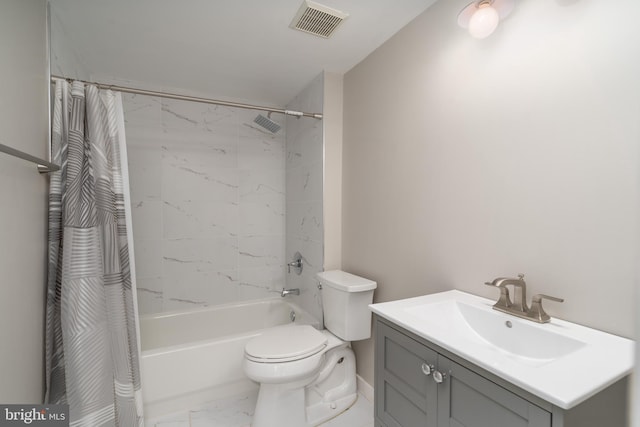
308	376
294	364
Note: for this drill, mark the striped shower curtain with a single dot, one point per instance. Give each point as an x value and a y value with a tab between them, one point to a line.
92	359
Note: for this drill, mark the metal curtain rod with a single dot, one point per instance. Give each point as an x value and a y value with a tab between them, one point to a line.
43	165
192	98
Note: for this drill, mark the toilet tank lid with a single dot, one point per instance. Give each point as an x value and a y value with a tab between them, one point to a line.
345	282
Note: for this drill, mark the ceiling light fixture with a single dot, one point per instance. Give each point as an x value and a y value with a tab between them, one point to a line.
482	17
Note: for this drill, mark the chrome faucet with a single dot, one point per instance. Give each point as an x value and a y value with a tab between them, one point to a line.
504	302
286	292
519	298
519	306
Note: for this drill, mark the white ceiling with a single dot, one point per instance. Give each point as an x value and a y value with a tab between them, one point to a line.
230	49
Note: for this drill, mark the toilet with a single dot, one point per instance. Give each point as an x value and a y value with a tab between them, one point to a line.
308	376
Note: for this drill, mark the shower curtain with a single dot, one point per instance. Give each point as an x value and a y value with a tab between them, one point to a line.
92	359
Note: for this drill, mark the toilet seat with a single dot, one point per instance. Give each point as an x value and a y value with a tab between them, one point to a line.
285	344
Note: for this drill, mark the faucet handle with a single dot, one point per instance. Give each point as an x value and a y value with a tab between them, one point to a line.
537	298
296	264
536	312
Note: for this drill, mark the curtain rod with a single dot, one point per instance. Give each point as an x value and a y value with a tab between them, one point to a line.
191	98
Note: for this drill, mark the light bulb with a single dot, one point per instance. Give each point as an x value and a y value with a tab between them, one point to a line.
484	21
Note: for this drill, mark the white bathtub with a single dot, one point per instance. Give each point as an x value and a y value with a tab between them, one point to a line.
191	357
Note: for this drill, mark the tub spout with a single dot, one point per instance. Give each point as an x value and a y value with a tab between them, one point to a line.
286	292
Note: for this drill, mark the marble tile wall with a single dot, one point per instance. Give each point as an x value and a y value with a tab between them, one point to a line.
304	187
208	202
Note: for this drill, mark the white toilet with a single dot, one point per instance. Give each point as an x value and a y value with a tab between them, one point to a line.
308	376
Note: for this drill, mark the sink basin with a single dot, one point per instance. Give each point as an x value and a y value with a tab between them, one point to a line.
533	344
520	338
561	362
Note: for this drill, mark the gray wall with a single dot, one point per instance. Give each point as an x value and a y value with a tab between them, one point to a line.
23	210
332	123
65	61
469	159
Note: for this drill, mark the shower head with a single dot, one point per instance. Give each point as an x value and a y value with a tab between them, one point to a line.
267	123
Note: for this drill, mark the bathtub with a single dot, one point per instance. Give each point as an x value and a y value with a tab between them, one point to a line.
191	357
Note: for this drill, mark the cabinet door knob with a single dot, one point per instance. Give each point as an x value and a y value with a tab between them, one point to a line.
439	377
427	369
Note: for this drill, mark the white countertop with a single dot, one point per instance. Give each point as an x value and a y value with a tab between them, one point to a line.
593	360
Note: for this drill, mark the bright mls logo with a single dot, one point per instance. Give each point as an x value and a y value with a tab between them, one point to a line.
34	415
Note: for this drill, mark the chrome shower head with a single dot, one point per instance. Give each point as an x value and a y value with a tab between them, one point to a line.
267	123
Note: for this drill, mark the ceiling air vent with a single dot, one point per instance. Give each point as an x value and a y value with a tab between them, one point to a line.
317	19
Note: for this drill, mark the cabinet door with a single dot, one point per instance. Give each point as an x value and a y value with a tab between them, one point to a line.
404	395
465	399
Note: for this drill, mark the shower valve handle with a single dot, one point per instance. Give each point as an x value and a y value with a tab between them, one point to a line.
296	263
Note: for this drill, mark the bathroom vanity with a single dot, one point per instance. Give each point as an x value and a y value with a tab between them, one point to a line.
444	360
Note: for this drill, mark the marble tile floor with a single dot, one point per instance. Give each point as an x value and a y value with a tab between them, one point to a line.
237	411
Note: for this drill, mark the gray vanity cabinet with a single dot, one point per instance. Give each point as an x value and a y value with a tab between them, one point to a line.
466	399
407	395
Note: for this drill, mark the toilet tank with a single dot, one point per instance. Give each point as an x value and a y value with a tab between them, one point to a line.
345	304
